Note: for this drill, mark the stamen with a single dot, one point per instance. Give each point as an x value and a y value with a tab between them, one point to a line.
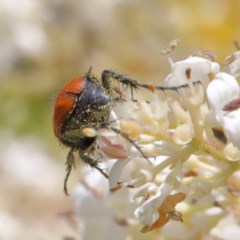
232	106
188	73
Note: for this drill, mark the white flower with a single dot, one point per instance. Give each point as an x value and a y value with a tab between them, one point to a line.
156	203
191	69
223	97
147	214
179	133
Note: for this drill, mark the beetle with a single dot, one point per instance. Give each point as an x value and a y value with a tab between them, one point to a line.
83	107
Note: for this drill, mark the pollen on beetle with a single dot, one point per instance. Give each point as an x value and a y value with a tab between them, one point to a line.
89	132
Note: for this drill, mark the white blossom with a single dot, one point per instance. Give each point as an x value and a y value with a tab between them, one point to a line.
181	153
191	69
223	90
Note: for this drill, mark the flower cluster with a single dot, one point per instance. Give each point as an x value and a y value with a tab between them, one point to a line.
190	135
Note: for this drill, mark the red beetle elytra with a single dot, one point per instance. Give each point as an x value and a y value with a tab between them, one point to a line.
83	107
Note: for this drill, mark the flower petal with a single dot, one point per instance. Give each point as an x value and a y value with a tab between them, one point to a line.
232	153
193	69
115	173
147	213
230	122
222	90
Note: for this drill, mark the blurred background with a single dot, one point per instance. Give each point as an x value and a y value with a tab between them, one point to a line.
43	44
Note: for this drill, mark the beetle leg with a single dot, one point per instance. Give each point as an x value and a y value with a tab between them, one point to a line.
93	163
70	163
107	75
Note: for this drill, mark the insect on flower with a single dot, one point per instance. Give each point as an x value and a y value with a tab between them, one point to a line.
83	107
